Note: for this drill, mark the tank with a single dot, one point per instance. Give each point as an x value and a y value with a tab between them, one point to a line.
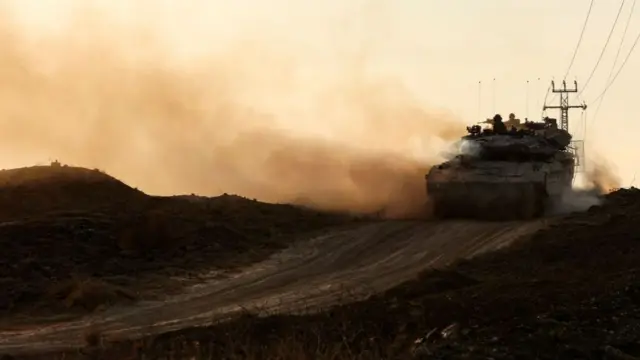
500	174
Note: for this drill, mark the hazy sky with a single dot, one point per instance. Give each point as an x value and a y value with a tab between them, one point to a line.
440	49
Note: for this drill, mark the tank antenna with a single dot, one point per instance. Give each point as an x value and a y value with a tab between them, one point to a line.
581	150
539	94
494	95
527	99
479	99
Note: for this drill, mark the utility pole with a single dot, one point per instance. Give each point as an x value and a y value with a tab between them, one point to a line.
577	146
564	102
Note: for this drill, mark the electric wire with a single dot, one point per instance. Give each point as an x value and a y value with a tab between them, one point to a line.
624	34
604	48
624	62
584	27
615	60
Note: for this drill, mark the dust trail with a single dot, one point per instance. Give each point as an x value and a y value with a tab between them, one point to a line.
599	179
105	95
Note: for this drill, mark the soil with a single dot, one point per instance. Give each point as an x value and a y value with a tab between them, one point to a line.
75	239
344	265
571	291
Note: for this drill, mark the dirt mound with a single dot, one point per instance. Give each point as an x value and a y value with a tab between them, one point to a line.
59	224
569	292
37	190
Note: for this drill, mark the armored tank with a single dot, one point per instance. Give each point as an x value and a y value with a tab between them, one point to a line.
510	171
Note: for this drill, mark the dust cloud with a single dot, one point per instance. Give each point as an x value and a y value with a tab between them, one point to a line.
99	95
599	179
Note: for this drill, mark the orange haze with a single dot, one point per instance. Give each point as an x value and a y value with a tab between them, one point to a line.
99	96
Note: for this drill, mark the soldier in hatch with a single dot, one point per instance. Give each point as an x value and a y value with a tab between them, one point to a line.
513	122
552	123
498	126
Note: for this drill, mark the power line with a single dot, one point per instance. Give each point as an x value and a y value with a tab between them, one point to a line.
584	27
615	60
624	62
604	48
624	34
620	69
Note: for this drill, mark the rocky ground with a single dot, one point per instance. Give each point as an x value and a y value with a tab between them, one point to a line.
571	292
78	239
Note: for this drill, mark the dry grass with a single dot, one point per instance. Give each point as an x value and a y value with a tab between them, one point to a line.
248	338
475	322
89	293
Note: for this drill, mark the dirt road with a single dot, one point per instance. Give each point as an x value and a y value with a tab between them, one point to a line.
358	261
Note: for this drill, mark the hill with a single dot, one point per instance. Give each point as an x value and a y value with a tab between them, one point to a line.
38	190
79	238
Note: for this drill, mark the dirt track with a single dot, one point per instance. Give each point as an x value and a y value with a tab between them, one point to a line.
370	257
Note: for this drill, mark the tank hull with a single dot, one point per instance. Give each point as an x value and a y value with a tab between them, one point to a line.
498	190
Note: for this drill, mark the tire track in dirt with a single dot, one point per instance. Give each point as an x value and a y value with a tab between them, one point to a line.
317	272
